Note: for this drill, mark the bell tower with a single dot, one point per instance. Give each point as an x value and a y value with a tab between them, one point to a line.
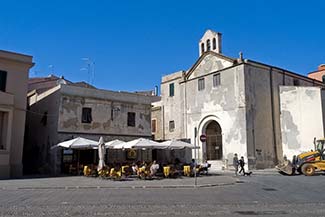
211	41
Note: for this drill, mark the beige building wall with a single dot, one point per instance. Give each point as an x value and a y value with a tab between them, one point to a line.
62	107
13	112
301	118
173	124
156	122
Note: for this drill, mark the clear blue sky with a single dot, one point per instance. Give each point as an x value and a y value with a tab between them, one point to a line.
134	43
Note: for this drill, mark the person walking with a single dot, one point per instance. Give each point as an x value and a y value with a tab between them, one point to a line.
235	163
242	164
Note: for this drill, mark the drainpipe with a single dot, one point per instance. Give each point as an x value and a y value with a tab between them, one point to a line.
273	117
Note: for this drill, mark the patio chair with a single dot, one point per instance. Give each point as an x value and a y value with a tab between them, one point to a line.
166	171
187	170
87	171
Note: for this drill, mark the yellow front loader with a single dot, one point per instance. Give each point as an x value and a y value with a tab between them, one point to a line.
306	163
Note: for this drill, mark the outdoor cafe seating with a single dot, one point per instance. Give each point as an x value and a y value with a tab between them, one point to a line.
81	156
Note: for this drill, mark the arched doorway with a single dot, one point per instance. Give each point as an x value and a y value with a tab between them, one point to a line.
214	141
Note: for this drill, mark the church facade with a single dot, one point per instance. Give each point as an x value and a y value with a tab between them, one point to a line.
240	106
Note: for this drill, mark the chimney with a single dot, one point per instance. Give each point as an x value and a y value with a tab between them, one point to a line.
241	58
321	67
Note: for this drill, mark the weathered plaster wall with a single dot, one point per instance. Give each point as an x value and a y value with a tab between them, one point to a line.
301	118
210	63
103	121
263	128
64	107
173	106
109	115
224	104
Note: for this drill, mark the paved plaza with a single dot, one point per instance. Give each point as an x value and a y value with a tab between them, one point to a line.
82	182
262	194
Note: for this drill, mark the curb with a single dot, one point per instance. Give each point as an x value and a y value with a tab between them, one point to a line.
124	187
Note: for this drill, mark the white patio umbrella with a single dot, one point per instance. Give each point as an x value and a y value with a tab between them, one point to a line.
101	153
113	143
176	144
78	143
140	143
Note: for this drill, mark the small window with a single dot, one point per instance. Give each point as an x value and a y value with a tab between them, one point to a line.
3	80
216	80
171	89
3	129
131	119
171	126
323	79
296	82
202	47
153	125
86	115
208	45
201	84
214	43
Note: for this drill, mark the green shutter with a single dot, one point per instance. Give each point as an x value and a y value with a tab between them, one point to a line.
171	89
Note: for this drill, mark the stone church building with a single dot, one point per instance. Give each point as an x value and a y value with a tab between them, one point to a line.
258	111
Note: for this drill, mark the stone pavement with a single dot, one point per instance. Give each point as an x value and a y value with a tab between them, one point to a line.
81	182
271	171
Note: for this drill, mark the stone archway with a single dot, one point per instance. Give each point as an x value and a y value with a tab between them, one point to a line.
214	141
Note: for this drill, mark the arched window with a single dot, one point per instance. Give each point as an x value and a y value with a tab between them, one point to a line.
208	45
202	48
214	43
323	79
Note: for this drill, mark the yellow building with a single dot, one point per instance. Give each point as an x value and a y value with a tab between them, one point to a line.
14	70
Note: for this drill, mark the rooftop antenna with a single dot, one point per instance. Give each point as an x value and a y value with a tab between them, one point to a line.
51	67
90	68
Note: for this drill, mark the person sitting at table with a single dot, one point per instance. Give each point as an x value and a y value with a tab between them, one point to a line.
135	169
142	170
154	168
178	165
205	167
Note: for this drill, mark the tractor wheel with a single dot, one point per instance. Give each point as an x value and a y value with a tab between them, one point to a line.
308	169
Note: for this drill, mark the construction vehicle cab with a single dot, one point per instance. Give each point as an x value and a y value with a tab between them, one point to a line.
306	163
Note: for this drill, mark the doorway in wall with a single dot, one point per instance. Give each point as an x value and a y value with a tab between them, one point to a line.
214	141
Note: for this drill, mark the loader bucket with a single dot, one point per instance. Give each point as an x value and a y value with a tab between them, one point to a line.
285	168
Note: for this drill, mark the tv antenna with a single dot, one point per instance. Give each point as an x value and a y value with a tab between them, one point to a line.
90	68
51	67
